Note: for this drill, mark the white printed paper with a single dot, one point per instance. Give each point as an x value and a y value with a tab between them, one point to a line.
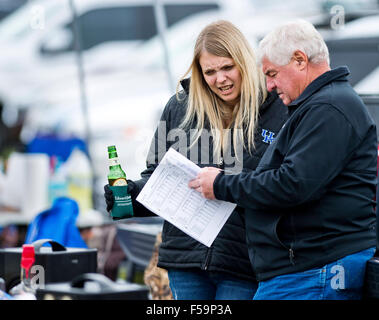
167	194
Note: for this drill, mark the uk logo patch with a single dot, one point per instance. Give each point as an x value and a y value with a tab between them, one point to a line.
268	136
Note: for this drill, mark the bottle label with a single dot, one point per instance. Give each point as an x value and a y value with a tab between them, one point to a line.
119	182
123	207
114	162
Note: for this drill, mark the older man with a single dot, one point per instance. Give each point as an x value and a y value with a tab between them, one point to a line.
309	206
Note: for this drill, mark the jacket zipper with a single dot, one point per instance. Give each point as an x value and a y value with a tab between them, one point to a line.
221	162
207	259
291	255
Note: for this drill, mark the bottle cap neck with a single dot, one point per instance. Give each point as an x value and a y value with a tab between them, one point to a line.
112	154
111	148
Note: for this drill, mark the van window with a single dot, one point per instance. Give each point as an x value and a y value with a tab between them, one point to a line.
176	12
116	24
361	55
126	23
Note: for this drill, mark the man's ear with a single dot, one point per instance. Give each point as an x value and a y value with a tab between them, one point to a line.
300	59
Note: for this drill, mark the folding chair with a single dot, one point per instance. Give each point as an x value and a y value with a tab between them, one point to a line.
137	241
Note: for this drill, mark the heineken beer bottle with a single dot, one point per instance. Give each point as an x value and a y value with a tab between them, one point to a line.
122	207
116	176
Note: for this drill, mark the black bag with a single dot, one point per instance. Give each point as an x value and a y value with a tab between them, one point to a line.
371	286
371	283
102	289
59	263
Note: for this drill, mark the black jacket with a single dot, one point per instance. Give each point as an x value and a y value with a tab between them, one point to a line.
228	252
310	201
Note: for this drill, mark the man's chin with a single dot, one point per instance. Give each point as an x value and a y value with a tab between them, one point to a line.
285	101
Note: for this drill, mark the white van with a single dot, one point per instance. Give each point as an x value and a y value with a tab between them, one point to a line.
37	41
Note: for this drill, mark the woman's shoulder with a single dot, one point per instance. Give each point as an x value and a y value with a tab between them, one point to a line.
177	101
176	106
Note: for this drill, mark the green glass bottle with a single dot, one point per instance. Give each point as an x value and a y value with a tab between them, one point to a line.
116	176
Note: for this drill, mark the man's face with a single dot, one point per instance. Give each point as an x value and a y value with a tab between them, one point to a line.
287	80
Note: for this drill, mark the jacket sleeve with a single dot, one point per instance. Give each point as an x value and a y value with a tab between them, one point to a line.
157	150
319	147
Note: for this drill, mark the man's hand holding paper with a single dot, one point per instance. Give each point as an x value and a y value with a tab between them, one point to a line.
204	182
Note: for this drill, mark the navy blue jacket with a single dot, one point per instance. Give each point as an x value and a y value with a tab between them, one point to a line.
310	200
228	252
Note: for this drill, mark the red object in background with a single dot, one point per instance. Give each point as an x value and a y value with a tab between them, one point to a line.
27	258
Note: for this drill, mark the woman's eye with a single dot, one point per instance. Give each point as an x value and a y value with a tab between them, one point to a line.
228	67
209	72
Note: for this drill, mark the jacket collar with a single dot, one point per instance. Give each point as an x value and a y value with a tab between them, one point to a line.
339	73
185	84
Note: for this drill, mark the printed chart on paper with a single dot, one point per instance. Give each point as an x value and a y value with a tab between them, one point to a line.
167	194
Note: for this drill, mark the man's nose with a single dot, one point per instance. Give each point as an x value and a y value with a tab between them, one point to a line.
270	84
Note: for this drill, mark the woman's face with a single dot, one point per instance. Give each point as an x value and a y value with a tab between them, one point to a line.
222	76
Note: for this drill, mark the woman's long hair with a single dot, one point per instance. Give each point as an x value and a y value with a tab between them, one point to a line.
223	39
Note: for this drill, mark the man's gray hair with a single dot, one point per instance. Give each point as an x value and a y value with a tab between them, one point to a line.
280	44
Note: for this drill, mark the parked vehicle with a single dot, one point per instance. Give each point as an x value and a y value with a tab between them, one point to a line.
37	41
357	46
352	9
8	6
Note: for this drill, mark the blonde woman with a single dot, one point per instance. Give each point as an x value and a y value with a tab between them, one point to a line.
223	118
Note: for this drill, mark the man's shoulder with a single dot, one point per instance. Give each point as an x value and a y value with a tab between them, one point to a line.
343	101
339	95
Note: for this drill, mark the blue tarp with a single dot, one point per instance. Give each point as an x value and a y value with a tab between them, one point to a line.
58	224
55	146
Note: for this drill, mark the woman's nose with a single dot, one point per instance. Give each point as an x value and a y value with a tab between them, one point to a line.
221	77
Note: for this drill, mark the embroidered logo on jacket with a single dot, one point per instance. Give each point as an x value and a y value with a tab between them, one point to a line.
268	136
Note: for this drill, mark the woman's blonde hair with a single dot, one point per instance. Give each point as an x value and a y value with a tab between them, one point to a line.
223	39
